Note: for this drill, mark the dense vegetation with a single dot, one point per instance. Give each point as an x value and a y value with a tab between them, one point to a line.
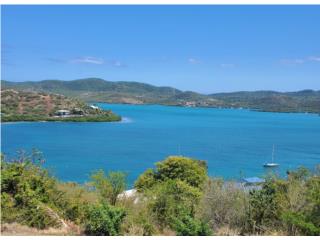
34	106
175	198
94	89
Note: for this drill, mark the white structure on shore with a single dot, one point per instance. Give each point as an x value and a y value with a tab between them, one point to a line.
94	107
63	112
131	193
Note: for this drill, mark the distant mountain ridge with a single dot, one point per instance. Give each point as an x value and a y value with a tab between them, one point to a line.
96	89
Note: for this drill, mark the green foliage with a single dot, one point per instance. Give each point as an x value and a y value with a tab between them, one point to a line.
110	186
176	196
29	193
146	180
290	205
189	226
38	117
103	220
167	199
23	117
193	172
37	215
175	187
300	222
263	208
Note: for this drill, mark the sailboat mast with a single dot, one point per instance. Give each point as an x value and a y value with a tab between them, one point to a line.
273	154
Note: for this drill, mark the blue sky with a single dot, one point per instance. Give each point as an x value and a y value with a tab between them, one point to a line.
201	48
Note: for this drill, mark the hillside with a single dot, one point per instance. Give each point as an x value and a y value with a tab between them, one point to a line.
271	101
19	105
95	89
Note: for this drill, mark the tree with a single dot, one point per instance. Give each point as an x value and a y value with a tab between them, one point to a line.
168	199
173	188
191	171
110	186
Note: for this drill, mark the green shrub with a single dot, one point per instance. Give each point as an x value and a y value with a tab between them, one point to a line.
290	205
168	199
29	194
103	220
300	222
189	226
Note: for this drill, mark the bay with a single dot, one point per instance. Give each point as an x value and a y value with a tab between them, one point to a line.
234	142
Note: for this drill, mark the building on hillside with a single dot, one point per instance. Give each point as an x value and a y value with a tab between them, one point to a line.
62	112
252	183
190	104
94	107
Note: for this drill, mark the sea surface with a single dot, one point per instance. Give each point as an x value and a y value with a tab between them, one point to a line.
234	142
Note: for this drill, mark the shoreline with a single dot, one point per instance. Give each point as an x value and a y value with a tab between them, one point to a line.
206	107
123	120
128	120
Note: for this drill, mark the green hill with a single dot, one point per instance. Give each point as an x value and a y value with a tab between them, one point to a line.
99	90
19	105
271	101
95	89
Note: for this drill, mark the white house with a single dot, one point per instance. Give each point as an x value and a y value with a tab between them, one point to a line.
94	107
63	112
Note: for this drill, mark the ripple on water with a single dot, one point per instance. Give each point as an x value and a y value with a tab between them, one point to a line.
126	120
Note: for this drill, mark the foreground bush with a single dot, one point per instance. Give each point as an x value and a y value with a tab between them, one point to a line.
290	205
103	220
29	195
223	204
189	226
176	198
173	191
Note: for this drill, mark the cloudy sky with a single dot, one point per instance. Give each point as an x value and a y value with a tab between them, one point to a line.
201	48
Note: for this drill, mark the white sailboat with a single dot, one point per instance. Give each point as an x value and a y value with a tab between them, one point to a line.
271	164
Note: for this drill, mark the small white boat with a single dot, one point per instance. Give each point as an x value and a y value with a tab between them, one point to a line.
271	164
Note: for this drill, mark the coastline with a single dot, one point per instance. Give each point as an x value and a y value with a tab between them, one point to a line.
206	107
88	118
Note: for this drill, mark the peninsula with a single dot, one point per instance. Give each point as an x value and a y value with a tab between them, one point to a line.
17	105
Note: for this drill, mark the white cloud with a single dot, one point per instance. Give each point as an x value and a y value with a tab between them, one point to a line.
300	60
314	58
91	60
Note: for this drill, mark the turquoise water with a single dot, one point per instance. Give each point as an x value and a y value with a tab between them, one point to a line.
234	142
